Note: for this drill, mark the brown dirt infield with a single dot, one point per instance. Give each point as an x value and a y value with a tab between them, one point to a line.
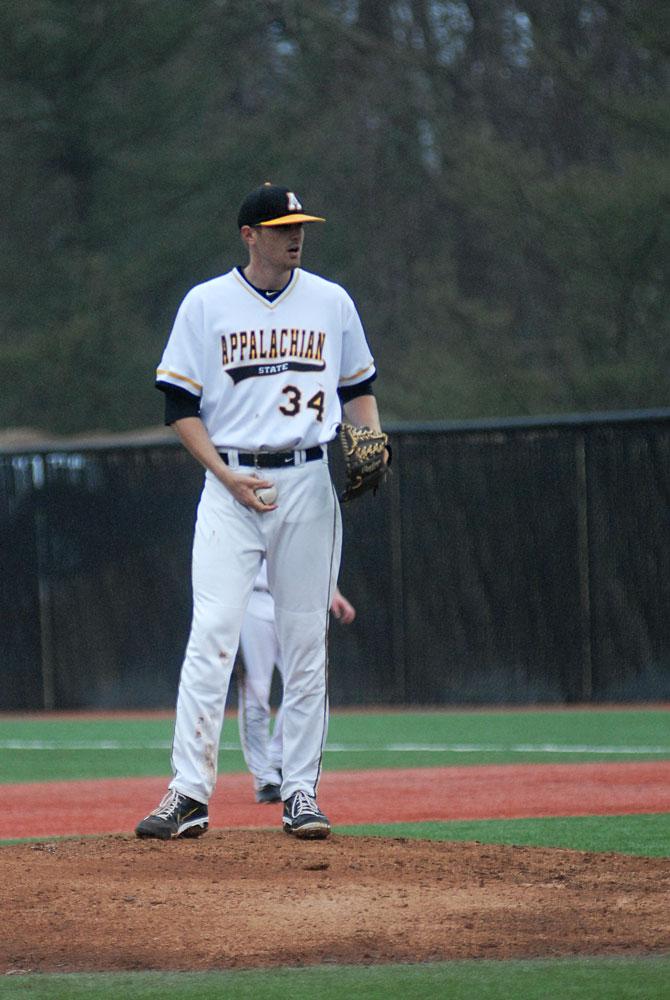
242	897
238	899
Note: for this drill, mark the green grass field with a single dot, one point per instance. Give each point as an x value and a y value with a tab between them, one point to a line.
564	979
51	749
45	749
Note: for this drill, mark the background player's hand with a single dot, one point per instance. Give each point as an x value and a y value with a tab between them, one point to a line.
243	487
342	609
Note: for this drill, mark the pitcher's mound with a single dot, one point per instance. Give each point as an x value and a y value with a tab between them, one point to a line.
248	898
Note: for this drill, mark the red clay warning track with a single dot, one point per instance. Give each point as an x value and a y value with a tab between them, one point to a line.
447	793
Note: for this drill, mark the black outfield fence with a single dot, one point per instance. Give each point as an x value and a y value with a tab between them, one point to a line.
510	562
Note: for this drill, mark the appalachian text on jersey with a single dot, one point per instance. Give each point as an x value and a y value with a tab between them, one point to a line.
296	350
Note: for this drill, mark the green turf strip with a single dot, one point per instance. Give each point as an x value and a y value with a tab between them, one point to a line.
117	747
567	979
644	835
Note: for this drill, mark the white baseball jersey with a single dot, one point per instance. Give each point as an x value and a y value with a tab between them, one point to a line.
249	360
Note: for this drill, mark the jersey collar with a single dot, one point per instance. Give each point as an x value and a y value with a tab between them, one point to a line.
258	293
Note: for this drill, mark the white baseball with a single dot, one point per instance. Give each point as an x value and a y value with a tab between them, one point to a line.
266	494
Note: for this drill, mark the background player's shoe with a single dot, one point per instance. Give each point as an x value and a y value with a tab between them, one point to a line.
303	818
269	793
176	816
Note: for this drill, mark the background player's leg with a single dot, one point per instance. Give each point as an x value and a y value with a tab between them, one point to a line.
276	744
224	535
303	564
258	642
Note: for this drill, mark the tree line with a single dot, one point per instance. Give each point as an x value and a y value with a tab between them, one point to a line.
494	175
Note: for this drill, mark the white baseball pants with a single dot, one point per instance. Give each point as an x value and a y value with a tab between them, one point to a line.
301	541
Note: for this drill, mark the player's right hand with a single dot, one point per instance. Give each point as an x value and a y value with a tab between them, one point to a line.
242	488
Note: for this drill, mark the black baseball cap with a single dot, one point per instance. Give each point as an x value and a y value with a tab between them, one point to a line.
272	205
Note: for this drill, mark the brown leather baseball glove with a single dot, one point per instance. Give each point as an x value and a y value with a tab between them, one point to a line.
363	450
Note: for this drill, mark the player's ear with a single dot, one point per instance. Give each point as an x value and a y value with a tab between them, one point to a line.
247	233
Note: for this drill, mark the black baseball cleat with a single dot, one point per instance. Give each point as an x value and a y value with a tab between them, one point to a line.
303	818
176	816
269	793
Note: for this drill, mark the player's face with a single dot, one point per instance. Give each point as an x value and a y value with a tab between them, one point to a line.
280	247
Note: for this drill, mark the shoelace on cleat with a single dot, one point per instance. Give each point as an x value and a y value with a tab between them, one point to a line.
169	803
303	803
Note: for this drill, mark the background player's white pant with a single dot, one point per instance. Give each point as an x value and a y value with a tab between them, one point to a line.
260	649
302	542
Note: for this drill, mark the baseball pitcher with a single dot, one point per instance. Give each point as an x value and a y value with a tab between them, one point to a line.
258	368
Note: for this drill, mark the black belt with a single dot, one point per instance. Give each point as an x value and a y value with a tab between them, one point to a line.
273	459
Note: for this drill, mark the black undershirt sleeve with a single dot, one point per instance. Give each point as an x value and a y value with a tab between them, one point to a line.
348	392
179	403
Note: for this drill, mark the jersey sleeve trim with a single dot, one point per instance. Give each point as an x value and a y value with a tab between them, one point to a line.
165	373
357	376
